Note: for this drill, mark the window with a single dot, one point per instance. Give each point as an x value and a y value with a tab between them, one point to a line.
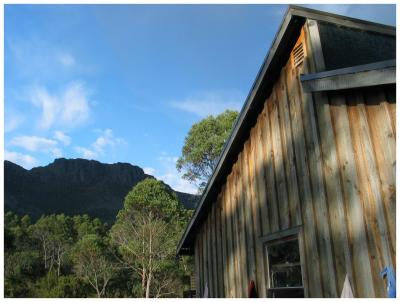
284	268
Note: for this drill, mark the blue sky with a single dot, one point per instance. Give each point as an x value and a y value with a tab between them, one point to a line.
125	83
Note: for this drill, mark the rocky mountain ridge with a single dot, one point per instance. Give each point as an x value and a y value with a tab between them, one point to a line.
74	186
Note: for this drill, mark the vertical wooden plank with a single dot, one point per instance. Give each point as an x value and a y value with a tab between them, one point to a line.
218	239
330	167
363	285
269	168
287	150
210	271
240	212
202	265
261	177
224	239
384	142
213	255
375	222
231	251
390	104
205	259
317	187
215	249
197	265
314	286
290	168
315	51
239	273
257	202
247	212
279	168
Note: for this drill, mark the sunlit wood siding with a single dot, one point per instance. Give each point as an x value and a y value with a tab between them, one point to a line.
322	161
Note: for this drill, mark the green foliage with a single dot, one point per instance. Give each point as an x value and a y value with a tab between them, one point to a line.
52	286
55	233
84	225
151	195
16	232
93	262
203	146
22	263
146	233
37	258
64	256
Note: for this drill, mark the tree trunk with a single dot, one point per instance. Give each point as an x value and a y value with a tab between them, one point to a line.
148	285
143	282
51	261
58	262
45	255
150	267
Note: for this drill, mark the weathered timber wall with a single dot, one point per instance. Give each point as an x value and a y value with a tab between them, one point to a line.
324	161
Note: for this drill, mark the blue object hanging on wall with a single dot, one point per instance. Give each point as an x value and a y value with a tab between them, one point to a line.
391	281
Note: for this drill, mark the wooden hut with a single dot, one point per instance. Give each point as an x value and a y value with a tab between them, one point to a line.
304	192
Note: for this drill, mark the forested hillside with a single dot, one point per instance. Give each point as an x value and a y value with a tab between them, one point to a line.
79	256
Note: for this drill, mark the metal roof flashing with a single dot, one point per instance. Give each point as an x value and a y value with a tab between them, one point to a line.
277	55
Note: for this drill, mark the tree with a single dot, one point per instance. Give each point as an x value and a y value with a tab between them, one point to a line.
55	233
92	263
84	225
203	146
53	286
146	233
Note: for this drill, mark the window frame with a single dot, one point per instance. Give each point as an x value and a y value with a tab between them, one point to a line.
276	238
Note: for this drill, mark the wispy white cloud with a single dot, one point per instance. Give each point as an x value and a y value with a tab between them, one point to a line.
103	142
62	137
37	144
169	175
75	105
106	139
210	103
56	152
49	105
25	160
38	58
86	153
68	109
33	143
149	171
12	121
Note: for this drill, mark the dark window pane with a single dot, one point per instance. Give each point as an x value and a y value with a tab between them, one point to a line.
284	264
286	277
286	293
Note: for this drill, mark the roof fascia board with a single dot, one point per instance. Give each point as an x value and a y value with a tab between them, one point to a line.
340	81
348	70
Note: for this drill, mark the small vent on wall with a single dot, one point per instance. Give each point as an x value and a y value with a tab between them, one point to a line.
298	55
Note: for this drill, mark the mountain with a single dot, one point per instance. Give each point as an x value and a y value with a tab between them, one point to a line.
74	186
